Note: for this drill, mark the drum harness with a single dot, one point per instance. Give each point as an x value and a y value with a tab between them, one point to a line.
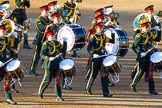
68	80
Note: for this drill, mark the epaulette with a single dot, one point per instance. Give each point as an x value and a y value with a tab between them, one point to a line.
138	35
92	36
45	42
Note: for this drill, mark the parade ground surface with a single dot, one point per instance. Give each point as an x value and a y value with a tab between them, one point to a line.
123	97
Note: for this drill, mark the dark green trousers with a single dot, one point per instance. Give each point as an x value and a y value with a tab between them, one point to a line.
35	59
95	68
48	75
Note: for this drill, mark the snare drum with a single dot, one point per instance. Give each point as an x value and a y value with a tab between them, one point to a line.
156	59
67	68
110	65
75	34
121	45
15	69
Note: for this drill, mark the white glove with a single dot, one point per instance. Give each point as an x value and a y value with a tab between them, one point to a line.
14	34
1	64
157	28
71	20
95	55
65	39
51	58
143	54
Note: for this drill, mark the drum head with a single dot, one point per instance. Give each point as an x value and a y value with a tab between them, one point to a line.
156	57
112	48
109	60
66	64
66	32
13	65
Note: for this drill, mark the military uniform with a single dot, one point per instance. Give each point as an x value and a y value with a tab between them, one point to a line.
71	8
4	57
51	49
155	24
142	43
41	23
96	46
98	19
20	15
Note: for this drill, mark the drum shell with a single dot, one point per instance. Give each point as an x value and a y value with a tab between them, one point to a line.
75	34
18	73
110	65
121	45
67	68
68	73
115	68
156	59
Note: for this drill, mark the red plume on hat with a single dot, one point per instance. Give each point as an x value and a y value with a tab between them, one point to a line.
148	8
99	17
48	33
52	3
45	7
100	24
2	27
55	15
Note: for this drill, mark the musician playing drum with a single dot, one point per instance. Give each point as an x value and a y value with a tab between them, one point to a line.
56	18
50	49
5	56
142	46
98	19
96	49
73	14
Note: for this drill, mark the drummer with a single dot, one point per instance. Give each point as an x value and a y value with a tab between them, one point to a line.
54	27
96	48
141	46
4	57
50	49
98	19
72	16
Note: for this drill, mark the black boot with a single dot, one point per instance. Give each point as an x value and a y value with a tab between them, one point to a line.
105	90
152	87
74	54
133	88
26	45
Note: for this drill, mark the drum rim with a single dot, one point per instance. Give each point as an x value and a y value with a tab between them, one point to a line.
109	63
13	63
157	57
68	66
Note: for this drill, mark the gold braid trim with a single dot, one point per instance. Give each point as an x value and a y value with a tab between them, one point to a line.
54	48
11	40
4	46
59	45
68	7
71	9
101	43
41	19
146	40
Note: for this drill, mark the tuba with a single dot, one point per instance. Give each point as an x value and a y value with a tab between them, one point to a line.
10	26
137	20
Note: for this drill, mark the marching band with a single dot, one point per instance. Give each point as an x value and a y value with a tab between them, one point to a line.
58	32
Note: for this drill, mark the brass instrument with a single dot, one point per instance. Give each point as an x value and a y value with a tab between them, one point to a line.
10	26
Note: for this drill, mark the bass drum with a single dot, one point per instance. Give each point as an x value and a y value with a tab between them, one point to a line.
75	35
121	45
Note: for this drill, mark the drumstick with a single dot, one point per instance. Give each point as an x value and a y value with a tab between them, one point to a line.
8	61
